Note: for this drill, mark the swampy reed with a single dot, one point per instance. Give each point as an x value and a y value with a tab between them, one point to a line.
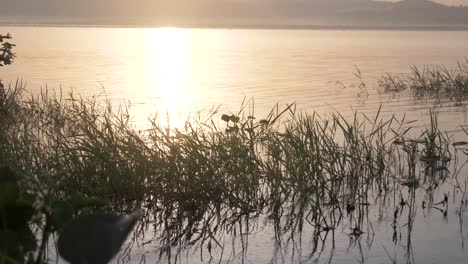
435	82
218	173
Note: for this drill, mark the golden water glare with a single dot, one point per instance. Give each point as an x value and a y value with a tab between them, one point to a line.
169	65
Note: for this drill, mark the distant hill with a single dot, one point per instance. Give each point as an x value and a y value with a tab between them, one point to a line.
405	13
234	13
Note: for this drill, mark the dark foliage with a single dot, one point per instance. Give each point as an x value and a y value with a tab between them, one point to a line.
6	50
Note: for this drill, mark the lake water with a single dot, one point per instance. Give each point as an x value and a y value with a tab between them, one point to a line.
187	70
182	71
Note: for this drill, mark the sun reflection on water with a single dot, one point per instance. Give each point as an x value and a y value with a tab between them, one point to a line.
170	67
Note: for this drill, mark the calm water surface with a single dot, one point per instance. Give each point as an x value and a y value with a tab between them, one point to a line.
182	71
187	70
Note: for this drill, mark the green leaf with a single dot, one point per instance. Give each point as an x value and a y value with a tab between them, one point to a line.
225	118
4	259
9	189
95	238
61	214
264	122
26	199
87	202
7	175
9	241
28	240
234	118
9	247
9	193
14	246
16	216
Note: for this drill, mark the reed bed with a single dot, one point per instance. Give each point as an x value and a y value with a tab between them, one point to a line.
436	82
216	175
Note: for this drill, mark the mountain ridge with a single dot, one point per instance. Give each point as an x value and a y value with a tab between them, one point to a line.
228	13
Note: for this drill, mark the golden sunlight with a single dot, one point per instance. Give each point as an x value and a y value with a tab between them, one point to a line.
170	61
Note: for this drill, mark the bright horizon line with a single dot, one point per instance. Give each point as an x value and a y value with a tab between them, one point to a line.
434	27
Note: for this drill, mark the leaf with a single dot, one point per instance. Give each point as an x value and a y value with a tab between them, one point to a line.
26	199
225	118
95	238
9	189
28	240
7	175
9	192
411	184
233	129
4	259
264	122
87	202
16	216
61	214
9	241
10	247
234	118
460	143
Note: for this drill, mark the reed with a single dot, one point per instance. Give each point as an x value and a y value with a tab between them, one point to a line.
216	175
437	82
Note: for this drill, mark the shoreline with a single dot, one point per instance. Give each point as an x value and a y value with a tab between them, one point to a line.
244	27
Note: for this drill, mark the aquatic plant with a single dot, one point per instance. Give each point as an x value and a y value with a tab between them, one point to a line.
219	174
430	82
30	216
6	50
